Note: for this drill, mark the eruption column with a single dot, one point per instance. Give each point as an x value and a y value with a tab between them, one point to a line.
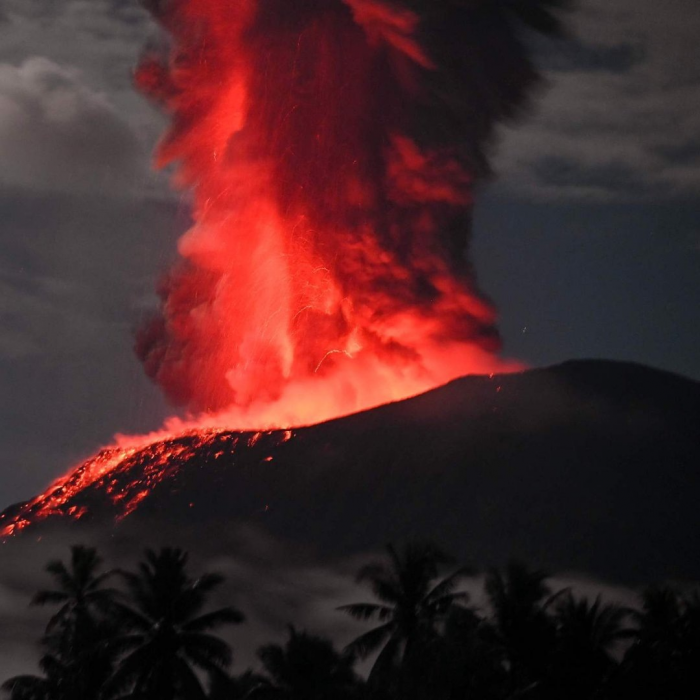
331	148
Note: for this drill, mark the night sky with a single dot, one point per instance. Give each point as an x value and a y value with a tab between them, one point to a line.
588	240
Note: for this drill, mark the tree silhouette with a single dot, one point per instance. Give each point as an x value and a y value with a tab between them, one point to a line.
586	635
241	687
519	599
79	658
80	590
307	667
28	687
465	661
166	635
665	657
412	605
155	643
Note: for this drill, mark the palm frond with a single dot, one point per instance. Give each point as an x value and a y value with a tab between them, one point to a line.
97	581
386	661
442	605
130	618
366	611
370	641
208	582
126	643
26	684
57	618
447	585
207	649
191	687
132	667
214	619
49	597
556	597
273	660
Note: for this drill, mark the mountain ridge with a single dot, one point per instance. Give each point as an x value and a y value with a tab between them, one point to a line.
565	465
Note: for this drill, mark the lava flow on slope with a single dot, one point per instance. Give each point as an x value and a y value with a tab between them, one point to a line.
126	475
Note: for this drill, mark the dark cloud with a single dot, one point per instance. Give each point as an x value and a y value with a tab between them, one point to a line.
610	180
683	154
577	55
57	134
623	102
76	274
85	231
624	89
85	14
98	40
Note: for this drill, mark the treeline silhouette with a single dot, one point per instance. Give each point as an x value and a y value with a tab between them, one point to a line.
153	637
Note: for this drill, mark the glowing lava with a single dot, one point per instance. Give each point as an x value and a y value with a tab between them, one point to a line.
126	474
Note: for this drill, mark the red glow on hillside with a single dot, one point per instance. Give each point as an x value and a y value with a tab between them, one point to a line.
126	473
325	271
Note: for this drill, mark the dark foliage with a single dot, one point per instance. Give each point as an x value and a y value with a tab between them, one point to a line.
412	604
664	660
153	639
165	637
524	630
78	656
306	668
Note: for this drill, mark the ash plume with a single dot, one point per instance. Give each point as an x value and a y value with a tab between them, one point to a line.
332	148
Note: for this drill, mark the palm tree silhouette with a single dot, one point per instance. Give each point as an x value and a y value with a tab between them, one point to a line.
80	591
307	667
587	633
79	658
664	659
241	687
411	608
519	599
465	661
166	635
28	687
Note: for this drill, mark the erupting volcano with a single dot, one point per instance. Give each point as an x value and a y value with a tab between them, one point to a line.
331	149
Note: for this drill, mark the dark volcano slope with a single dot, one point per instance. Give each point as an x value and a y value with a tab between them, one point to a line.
590	465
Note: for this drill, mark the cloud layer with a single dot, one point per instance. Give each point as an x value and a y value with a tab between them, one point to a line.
621	118
58	134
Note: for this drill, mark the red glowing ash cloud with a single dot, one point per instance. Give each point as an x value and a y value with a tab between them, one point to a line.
330	147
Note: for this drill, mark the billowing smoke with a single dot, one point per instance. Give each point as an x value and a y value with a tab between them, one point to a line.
332	148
